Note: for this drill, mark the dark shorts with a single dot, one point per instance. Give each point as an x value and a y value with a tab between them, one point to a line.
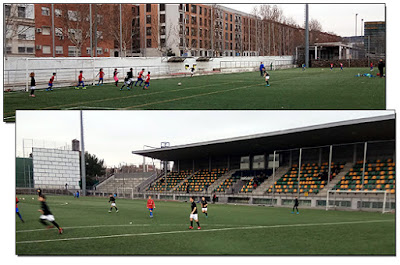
140	79
101	78
50	84
16	210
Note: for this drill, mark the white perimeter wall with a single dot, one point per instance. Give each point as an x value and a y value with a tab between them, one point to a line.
16	70
52	168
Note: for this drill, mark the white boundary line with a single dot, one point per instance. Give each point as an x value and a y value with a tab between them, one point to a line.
209	230
97	226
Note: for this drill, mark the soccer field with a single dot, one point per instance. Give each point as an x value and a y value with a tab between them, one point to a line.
229	230
314	88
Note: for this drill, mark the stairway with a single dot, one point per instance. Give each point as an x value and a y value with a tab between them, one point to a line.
220	180
260	190
336	179
182	182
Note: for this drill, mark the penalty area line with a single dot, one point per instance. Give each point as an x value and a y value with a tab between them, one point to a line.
208	230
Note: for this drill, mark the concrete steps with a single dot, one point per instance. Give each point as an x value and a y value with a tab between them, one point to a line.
262	189
182	182
219	181
336	180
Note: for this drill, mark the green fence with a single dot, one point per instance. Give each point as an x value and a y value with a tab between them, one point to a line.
24	172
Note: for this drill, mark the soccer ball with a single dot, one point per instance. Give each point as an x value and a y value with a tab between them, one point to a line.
23	199
33	198
179	84
130	223
66	203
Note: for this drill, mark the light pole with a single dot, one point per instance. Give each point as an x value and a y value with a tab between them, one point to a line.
356	25
144	161
362	24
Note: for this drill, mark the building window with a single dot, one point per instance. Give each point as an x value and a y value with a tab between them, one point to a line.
46	30
58	32
148	31
187	7
226	16
226	26
148	7
180	6
72	15
231	17
99	50
162	30
205	11
46	50
200	33
194	20
162	7
58	12
231	27
148	43
201	22
45	11
59	50
201	44
7	11
22	12
200	9
194	43
148	19
88	50
73	51
163	43
22	36
8	49
162	18
193	10
29	49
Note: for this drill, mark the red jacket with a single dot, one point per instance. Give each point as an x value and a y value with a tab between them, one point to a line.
150	204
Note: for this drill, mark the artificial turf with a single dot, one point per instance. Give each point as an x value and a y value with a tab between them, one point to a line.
315	88
229	230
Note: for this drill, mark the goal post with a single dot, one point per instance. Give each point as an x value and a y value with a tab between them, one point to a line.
122	192
383	197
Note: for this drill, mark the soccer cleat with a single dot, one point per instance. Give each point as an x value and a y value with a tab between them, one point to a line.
109	211
298	213
60	230
117	211
199	228
190	227
292	212
75	88
83	87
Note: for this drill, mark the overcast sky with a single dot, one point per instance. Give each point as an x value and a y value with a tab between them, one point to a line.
337	18
112	135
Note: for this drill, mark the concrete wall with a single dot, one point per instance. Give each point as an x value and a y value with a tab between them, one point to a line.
16	70
52	168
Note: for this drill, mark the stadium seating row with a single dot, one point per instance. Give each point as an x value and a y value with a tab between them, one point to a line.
379	175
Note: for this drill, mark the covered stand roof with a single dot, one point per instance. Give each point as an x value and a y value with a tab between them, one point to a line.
352	131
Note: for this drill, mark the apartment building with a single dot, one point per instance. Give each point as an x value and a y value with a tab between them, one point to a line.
71	31
19	30
204	30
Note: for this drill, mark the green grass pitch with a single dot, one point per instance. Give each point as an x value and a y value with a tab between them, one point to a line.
229	230
290	89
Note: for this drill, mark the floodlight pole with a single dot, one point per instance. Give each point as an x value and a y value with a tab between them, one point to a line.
307	42
120	33
83	164
356	25
330	162
52	30
273	180
91	30
365	157
298	175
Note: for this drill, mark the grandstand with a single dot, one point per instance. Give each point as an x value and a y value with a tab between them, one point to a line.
331	158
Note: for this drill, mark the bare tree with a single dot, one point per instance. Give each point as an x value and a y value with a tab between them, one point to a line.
315	25
76	25
18	21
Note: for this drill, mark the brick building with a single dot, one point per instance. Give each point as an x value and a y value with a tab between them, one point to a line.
71	31
162	30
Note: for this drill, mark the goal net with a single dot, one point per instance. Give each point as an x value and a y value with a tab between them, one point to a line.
373	200
126	193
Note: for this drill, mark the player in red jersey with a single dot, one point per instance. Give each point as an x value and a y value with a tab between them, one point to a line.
371	66
101	76
341	66
147	81
151	205
331	66
50	88
17	210
139	78
80	80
